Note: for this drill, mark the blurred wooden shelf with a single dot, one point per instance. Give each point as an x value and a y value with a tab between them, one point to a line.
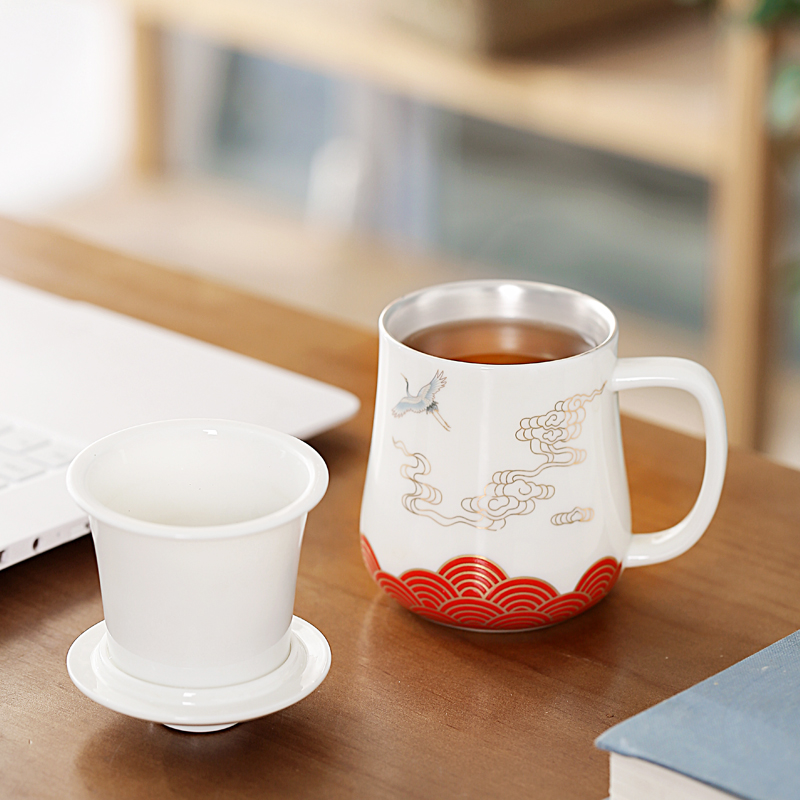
650	93
687	92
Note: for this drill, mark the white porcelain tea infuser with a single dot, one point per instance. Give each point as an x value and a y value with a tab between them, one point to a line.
197	526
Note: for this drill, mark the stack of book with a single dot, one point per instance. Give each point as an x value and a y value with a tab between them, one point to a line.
736	734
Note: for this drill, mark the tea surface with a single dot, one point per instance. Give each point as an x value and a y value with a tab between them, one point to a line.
493	341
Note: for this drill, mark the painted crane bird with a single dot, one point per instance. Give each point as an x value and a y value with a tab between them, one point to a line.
423	400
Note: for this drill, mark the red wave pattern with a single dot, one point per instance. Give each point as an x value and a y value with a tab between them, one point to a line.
473	592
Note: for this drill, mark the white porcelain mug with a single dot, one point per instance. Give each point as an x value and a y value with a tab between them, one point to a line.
197	526
500	501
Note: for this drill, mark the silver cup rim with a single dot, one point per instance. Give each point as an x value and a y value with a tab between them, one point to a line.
590	305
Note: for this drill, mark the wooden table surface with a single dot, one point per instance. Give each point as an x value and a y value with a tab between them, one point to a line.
409	709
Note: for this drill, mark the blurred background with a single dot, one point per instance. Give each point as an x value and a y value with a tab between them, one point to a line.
334	154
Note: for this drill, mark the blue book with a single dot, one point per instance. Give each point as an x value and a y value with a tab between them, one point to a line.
736	734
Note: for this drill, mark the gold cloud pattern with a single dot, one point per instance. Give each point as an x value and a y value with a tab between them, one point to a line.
510	492
547	435
576	515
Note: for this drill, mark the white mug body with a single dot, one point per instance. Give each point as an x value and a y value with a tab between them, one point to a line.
496	496
198	526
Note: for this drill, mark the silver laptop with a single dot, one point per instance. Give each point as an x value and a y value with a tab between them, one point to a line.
71	372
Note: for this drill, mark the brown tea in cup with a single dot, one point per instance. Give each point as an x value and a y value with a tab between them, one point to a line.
498	341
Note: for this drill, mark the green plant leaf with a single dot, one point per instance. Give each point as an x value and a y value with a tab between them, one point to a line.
771	12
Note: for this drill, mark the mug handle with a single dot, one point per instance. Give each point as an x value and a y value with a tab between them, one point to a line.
679	373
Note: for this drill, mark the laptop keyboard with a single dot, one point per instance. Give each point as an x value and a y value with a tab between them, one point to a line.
26	453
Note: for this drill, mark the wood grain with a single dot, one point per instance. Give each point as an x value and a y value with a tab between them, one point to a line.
409	709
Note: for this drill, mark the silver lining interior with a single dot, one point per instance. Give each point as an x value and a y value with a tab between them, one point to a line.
498	299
